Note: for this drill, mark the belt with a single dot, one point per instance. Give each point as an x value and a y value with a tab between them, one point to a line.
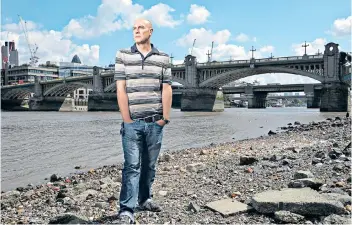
150	119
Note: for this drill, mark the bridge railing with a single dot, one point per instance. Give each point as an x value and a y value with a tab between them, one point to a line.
256	60
107	73
68	78
315	56
178	65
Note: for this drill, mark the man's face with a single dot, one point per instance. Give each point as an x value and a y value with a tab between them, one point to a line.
142	31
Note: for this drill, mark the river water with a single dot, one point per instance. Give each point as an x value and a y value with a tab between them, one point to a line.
34	145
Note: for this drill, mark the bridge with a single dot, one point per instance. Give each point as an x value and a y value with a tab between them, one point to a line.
274	97
312	93
203	83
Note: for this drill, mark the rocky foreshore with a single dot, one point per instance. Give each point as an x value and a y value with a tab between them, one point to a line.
301	175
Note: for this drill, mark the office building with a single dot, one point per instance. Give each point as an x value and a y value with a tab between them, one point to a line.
74	68
9	55
26	74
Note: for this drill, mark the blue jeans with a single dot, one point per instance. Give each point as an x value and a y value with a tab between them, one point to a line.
141	144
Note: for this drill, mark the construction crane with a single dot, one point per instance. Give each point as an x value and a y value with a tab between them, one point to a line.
194	41
211	52
34	59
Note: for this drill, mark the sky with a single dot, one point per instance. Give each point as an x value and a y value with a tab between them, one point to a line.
96	29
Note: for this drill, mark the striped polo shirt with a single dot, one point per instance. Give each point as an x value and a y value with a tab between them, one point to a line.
144	77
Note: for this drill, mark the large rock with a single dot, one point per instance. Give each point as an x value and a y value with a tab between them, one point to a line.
247	160
301	174
306	182
68	218
303	201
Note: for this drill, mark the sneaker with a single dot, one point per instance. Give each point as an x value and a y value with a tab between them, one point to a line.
149	205
124	218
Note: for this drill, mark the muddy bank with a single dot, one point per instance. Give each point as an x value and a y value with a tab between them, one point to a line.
314	158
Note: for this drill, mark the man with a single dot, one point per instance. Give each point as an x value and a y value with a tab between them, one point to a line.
144	95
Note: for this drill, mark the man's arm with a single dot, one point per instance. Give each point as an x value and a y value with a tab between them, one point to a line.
120	78
167	93
167	100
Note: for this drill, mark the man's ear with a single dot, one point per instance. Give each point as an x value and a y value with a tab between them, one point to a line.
151	30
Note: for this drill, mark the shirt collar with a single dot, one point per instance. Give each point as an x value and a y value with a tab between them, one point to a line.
134	49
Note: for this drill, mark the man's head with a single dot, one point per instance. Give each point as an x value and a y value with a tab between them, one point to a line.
142	31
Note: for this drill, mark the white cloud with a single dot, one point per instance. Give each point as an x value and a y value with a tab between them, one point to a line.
312	49
52	45
242	37
222	49
227	51
342	27
203	37
267	48
178	61
113	15
159	14
224	52
198	14
18	27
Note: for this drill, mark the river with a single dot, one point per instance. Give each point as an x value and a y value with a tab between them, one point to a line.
35	145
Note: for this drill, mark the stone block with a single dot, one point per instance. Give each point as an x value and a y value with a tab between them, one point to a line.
303	201
228	207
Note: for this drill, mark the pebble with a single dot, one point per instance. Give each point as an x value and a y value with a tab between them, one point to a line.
162	193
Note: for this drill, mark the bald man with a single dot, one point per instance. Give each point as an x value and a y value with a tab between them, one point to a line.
144	95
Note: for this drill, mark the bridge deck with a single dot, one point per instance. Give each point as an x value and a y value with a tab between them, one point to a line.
270	88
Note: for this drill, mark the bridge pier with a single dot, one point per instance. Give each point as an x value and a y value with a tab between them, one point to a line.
62	104
98	100
257	100
176	100
102	102
202	99
334	97
313	99
15	104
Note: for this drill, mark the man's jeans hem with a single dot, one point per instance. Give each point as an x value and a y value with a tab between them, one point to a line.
142	204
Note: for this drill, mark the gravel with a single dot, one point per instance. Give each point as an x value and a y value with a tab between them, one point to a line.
315	155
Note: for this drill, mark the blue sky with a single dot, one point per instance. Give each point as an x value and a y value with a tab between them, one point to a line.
96	29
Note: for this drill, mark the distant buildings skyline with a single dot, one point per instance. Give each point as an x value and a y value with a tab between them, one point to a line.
9	54
15	73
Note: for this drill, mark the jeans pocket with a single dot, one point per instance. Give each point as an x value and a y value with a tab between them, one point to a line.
134	121
156	124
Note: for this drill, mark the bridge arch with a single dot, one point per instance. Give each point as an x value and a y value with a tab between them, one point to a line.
65	88
19	93
111	87
227	77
